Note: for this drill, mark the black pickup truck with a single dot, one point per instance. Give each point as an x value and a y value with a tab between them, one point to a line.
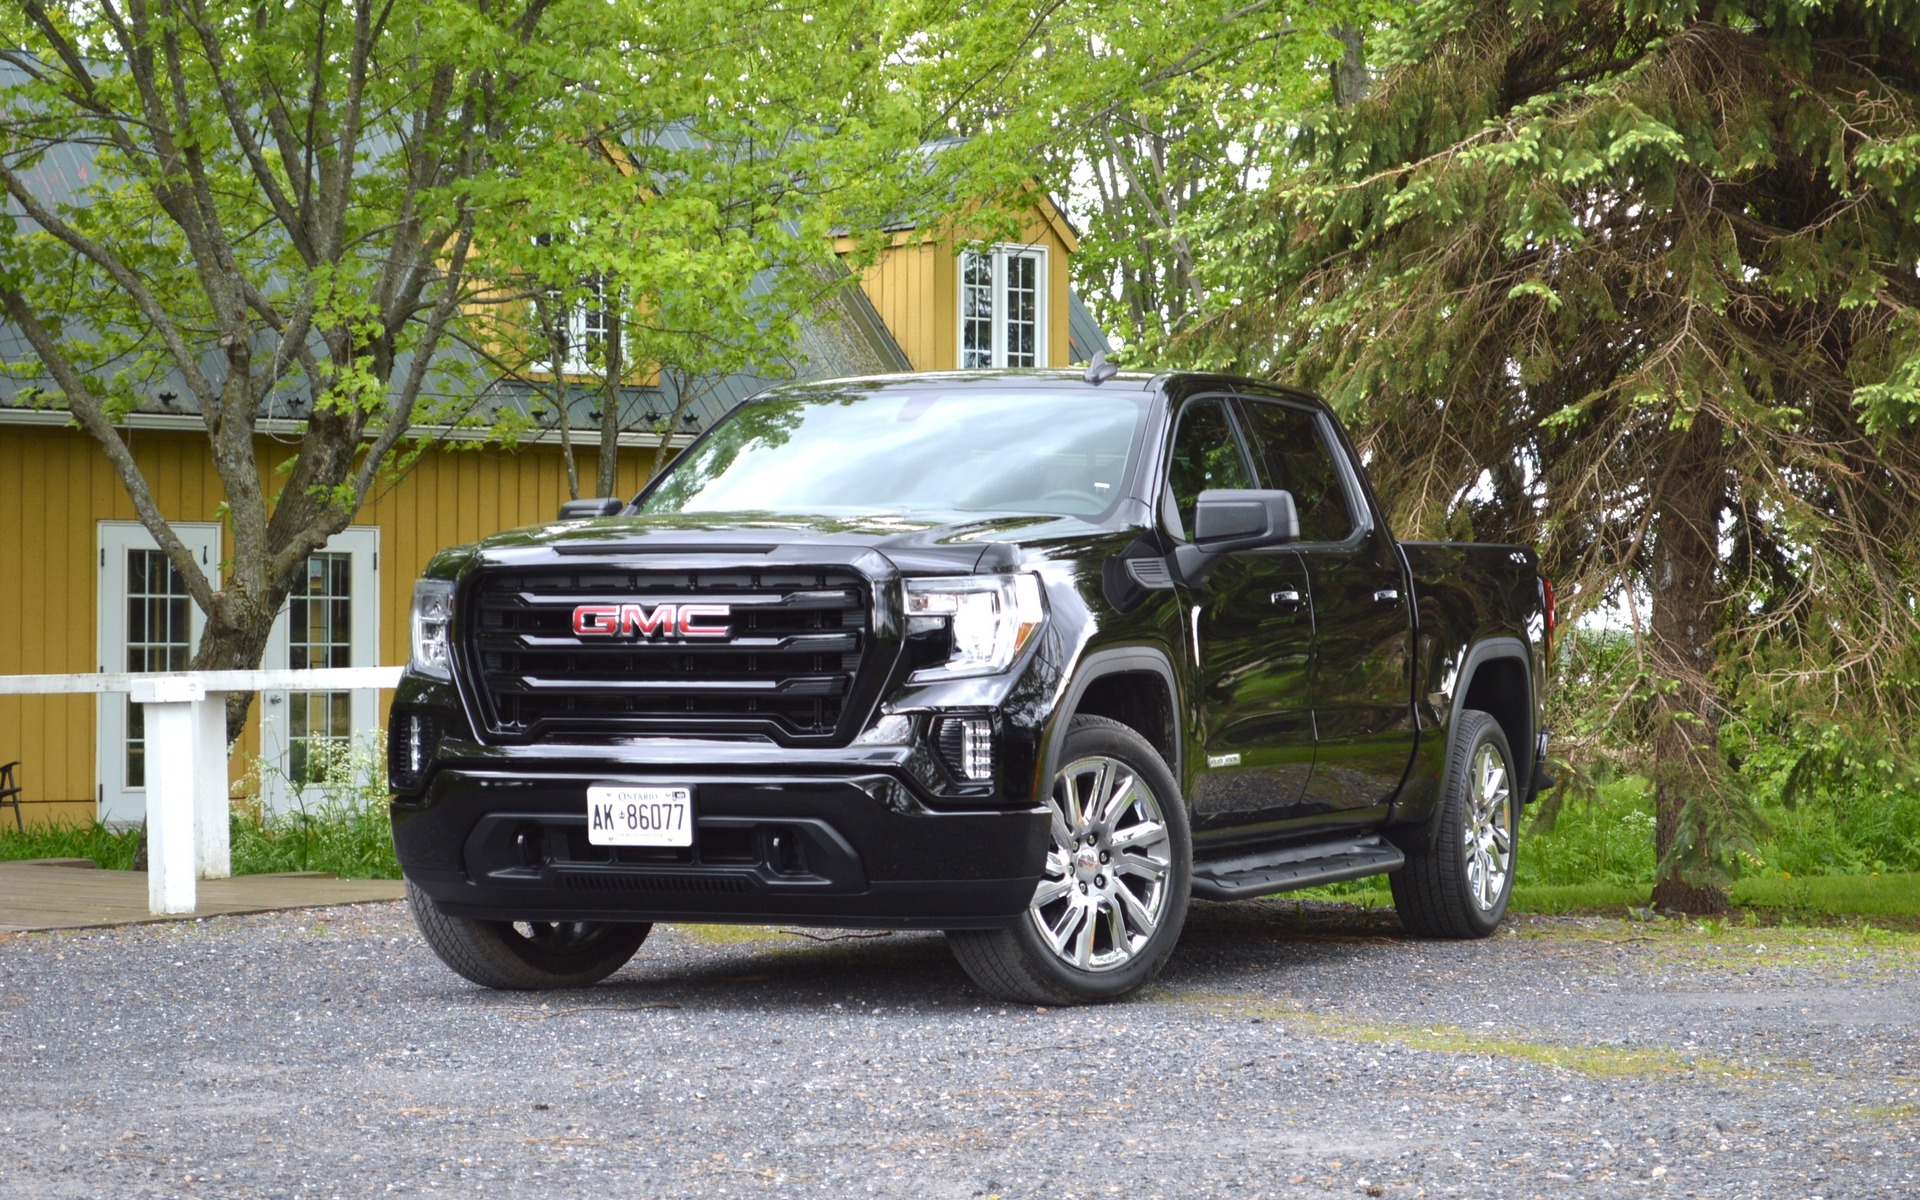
1028	657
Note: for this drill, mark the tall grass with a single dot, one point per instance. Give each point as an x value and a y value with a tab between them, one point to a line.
108	848
339	825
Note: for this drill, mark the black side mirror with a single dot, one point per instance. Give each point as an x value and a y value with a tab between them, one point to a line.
599	506
1227	519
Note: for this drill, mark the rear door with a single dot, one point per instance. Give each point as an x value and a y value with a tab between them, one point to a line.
1362	619
1250	631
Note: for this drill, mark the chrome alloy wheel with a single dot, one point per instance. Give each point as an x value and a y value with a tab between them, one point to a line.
1104	889
1487	833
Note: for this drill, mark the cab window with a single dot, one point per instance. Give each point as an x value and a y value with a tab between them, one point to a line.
1291	450
1206	454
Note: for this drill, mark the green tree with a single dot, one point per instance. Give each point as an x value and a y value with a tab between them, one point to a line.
308	208
1639	282
1150	120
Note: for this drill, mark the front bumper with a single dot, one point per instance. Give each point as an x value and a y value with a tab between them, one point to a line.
847	847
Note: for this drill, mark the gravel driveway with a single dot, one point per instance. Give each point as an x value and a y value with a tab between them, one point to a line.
1288	1051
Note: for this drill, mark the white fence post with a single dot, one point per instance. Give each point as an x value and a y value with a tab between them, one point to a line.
173	753
186	740
213	849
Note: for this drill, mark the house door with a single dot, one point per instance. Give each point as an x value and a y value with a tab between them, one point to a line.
147	622
331	619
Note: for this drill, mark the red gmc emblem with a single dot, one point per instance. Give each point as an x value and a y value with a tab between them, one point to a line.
668	620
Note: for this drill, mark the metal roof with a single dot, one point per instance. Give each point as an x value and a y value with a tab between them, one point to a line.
845	336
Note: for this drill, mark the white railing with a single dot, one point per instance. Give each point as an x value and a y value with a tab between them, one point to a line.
186	738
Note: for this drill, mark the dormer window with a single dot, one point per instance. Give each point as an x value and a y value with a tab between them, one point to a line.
1003	306
584	333
581	328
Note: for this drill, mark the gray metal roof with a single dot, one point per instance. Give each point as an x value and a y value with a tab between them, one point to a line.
845	336
1084	335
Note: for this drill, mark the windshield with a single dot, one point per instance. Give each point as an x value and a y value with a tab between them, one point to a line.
902	450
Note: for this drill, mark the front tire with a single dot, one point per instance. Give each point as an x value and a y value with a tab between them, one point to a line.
526	956
1112	897
1459	885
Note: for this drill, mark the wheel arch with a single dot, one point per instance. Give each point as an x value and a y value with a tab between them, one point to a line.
1497	679
1134	685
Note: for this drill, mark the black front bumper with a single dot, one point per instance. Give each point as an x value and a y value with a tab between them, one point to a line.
500	842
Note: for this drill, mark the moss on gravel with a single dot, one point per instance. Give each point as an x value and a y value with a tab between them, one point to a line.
1599	1062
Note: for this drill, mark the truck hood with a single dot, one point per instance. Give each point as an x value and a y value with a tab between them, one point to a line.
921	542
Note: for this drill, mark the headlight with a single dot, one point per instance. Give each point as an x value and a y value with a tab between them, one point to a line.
432	619
988	619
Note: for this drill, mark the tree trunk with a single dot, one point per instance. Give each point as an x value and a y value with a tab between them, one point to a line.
1686	738
609	473
1349	74
235	639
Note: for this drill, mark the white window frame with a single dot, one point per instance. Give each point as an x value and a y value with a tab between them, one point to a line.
1001	252
118	804
580	329
575	326
278	791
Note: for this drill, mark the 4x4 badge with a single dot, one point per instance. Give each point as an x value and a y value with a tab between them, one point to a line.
672	620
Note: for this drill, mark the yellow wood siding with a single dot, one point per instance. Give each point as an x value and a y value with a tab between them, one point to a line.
55	486
915	287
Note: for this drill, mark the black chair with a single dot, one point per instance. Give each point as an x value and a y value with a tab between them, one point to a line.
10	794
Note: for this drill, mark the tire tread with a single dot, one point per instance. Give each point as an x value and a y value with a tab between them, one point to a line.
995	959
477	951
1429	891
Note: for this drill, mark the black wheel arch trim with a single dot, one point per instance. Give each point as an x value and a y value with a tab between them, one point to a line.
1478	654
1097	665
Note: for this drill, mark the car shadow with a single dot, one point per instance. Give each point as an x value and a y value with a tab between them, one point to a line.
795	969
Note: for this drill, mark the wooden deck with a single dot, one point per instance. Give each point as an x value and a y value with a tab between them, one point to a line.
72	894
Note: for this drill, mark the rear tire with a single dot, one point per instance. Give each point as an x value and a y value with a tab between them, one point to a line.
1458	885
526	956
1112	898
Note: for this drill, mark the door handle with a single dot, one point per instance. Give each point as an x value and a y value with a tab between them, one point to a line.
1387	596
1286	596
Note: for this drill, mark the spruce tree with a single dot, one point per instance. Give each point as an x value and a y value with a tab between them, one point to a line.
1639	283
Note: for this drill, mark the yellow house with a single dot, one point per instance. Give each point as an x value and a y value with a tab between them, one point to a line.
83	587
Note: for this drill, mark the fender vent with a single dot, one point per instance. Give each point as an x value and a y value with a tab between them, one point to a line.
1150	572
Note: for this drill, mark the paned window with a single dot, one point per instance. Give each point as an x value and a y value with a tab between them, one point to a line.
319	634
582	331
1003	307
584	334
159	638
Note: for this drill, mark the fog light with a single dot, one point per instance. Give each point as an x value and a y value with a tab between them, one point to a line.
410	744
966	746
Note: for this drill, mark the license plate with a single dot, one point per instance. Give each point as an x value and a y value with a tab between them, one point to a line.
639	816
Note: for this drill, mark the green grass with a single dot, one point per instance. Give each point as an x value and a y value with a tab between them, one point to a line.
352	841
1895	895
342	829
108	849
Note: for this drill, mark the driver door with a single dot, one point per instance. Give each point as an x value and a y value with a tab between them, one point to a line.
1250	641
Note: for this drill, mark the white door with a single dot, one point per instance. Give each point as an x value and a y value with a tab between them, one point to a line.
331	619
147	622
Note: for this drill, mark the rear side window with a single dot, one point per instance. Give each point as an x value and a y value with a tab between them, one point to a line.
1291	451
1206	454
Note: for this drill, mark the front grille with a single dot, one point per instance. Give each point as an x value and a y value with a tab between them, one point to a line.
796	643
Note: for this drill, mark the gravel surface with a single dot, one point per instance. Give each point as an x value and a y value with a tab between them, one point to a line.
1288	1051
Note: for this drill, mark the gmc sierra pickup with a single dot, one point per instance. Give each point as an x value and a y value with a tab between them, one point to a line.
1027	657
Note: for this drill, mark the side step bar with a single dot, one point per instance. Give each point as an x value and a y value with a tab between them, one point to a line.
1289	867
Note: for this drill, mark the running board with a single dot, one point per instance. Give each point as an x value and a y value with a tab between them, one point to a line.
1290	867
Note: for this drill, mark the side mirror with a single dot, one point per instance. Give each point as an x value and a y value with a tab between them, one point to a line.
599	506
1227	519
